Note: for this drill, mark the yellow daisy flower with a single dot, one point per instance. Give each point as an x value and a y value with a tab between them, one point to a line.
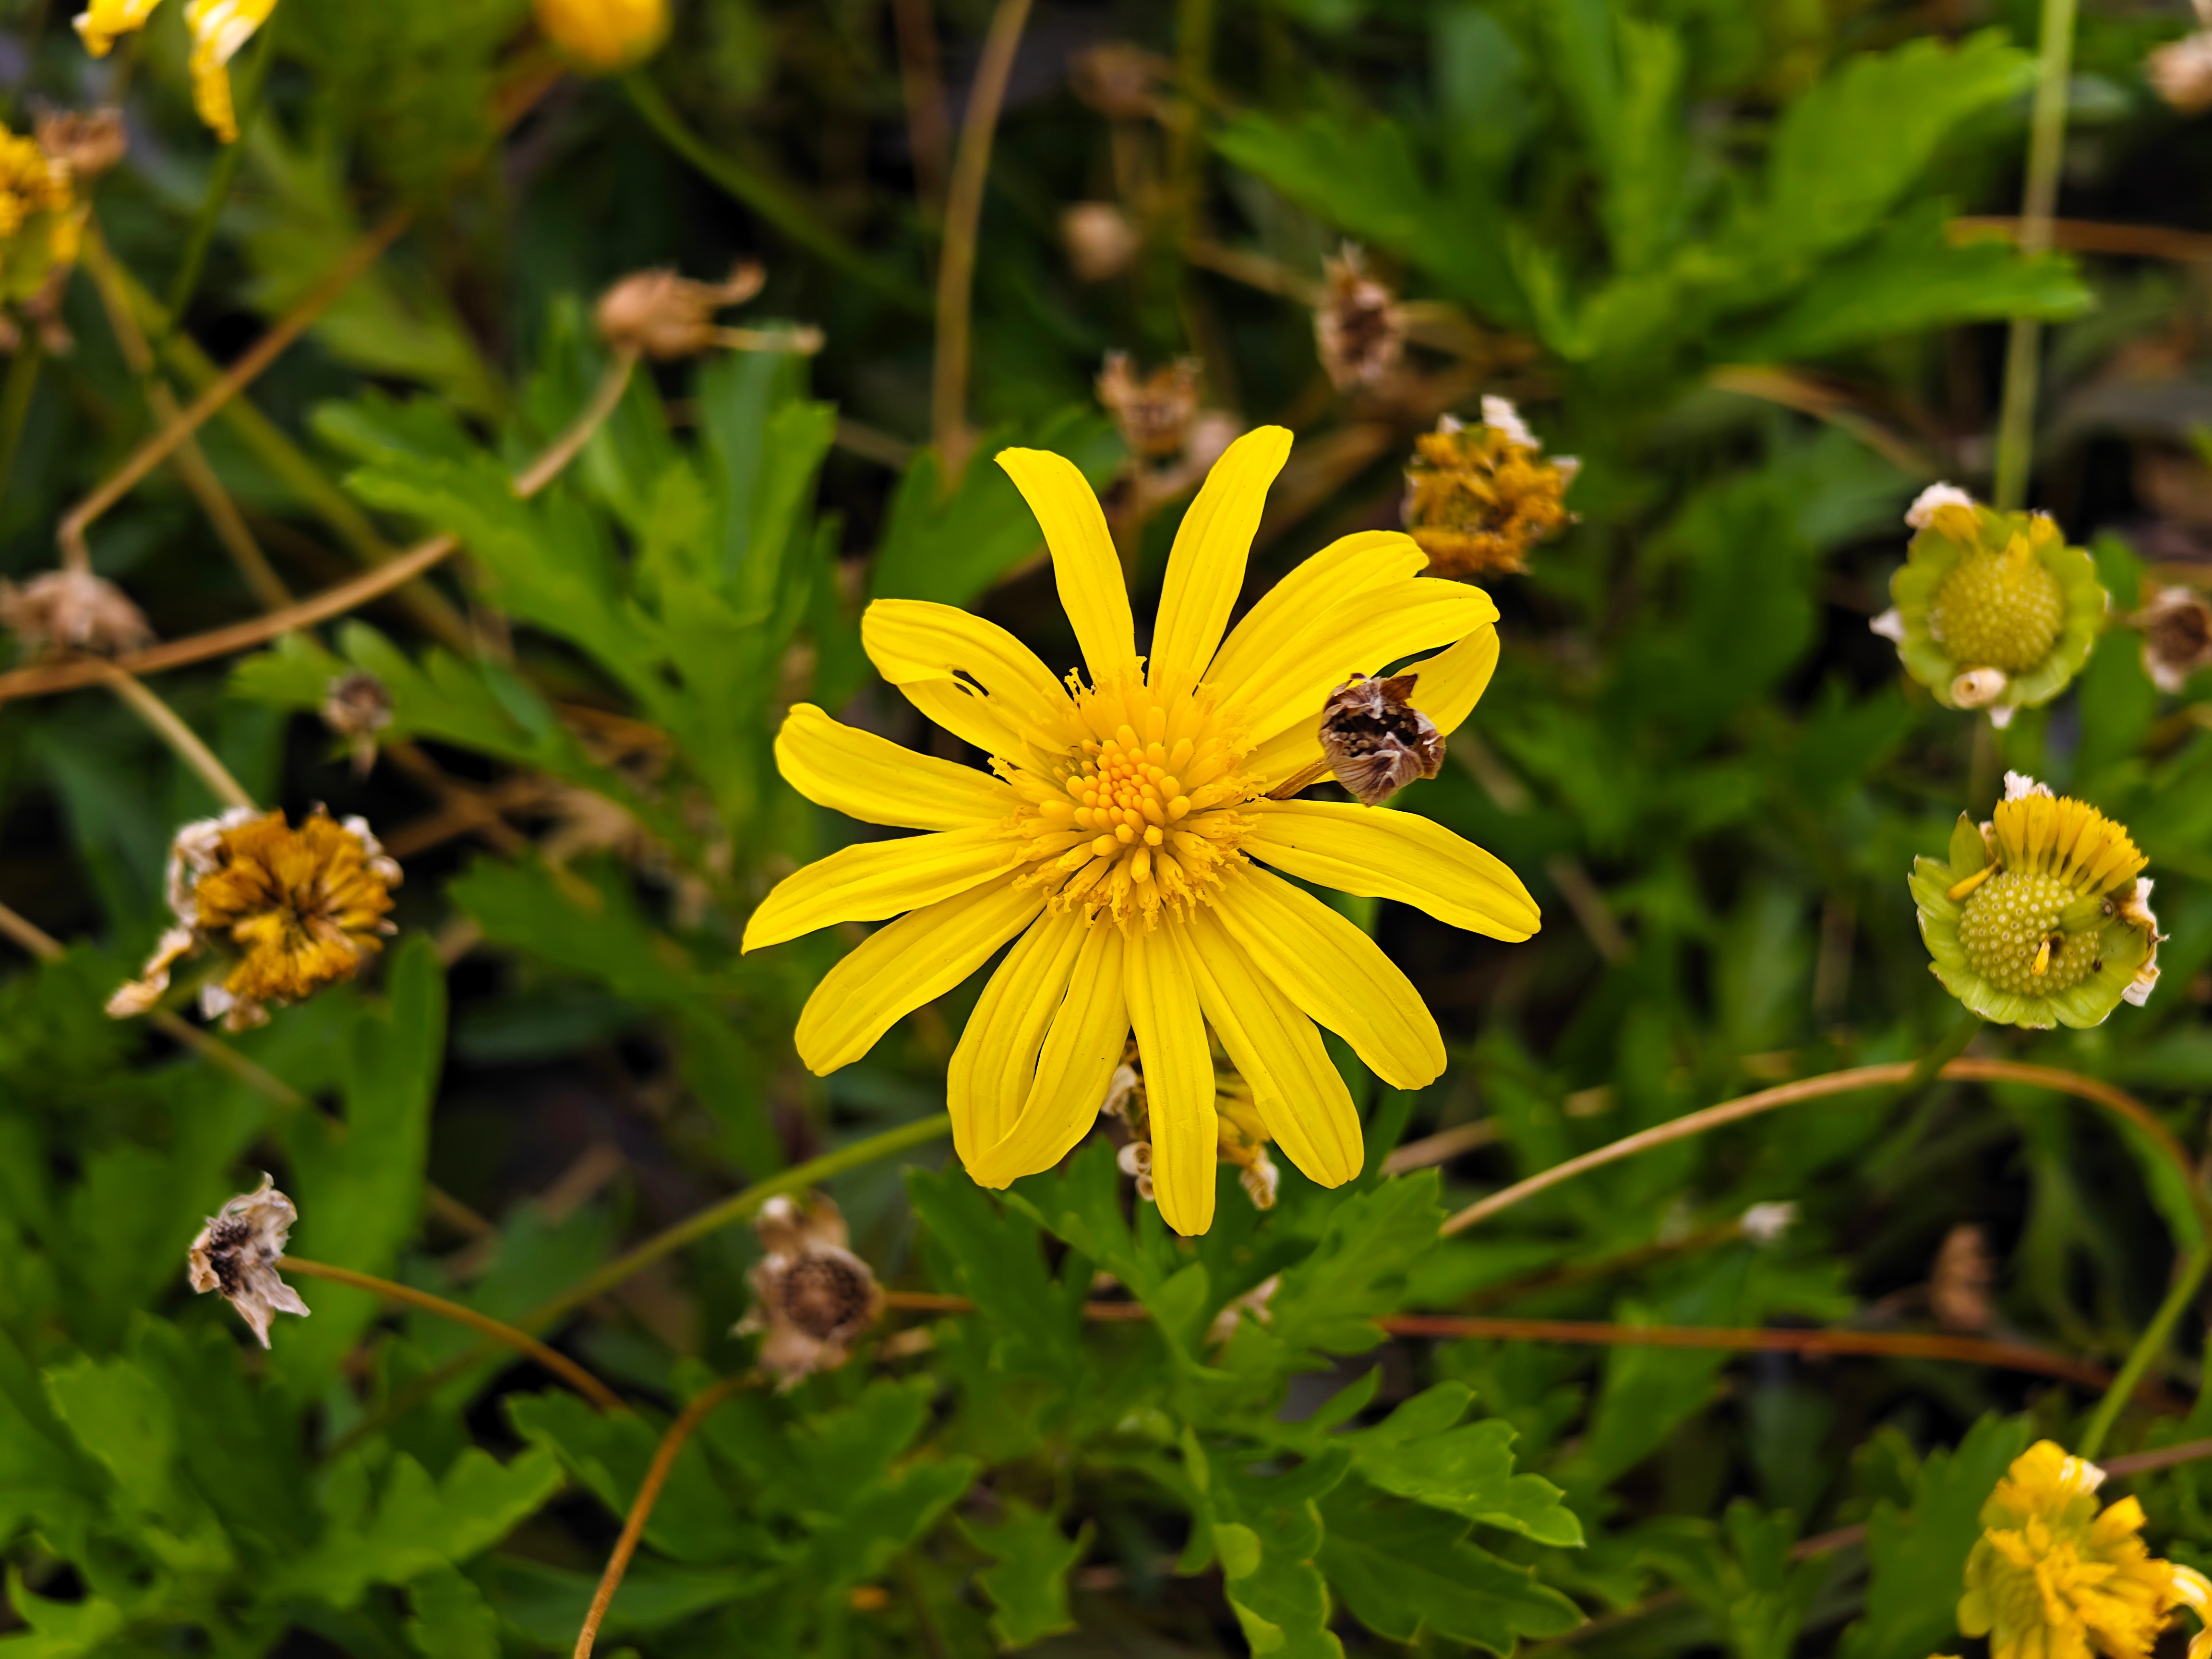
219	28
1117	840
605	35
2053	1578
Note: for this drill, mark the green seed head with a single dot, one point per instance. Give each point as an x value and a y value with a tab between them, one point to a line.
2004	924
1999	611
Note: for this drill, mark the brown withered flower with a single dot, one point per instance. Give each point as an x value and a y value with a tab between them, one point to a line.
812	1295
2177	630
356	706
1154	413
72	611
2180	72
1376	741
1359	330
87	142
1959	1284
661	315
1240	1138
237	1253
292	910
1478	497
1119	79
1101	240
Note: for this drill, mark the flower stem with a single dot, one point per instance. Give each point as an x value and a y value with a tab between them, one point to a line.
648	1494
964	213
16	394
178	736
221	176
2148	1346
2046	142
570	444
521	1342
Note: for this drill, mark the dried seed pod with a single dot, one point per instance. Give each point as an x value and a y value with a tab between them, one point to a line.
237	1253
812	1295
1154	414
1958	1284
73	611
87	142
659	314
357	706
1376	741
2177	630
1359	330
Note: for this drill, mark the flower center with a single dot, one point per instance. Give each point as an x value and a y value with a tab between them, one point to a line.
1999	609
2009	927
1138	817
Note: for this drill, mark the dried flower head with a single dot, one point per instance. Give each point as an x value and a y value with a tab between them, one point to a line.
605	35
2054	1577
659	314
1154	413
1101	240
1240	1138
811	1295
1478	497
1119	79
87	142
72	611
1959	1283
2041	917
356	706
2177	630
1991	609
293	910
1359	330
2181	71
1375	740
237	1253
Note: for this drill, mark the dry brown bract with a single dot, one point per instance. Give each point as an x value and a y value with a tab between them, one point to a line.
1959	1284
659	314
72	611
1376	740
237	1253
813	1296
294	909
2177	630
1478	497
1359	330
87	142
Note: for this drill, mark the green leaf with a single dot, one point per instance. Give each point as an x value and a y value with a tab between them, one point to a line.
451	1618
996	1258
1916	1558
695	1519
547	1604
1027	1579
1356	1271
1422	1451
1274	1590
1402	1567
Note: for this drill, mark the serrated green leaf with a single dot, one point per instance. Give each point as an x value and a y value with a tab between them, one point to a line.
1422	1451
450	1619
1027	1579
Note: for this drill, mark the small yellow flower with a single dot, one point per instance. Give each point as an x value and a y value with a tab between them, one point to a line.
218	27
295	909
41	221
1478	497
2053	1578
2041	916
1116	842
605	35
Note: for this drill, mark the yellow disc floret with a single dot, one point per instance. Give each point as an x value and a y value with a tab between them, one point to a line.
2011	927
2001	610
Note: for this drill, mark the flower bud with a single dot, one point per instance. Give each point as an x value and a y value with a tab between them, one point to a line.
605	35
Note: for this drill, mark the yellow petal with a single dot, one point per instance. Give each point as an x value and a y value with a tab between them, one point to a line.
99	22
1206	570
1084	562
879	878
219	28
872	779
990	1074
1448	685
1348	566
1361	635
1377	852
1276	1050
1334	974
911	640
968	715
1089	1027
897	968
1178	1075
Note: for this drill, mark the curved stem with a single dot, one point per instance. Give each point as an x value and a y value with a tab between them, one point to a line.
648	1494
2147	1347
178	736
964	213
521	1342
570	444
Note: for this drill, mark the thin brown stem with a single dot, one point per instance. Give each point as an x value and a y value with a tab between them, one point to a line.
179	737
928	129
70	534
648	1494
570	444
521	1342
964	213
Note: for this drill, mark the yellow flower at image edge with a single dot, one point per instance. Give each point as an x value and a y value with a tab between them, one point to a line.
2041	917
1117	841
294	911
41	223
219	28
2054	1577
605	35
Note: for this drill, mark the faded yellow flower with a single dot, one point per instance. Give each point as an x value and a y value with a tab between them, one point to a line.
1478	497
219	28
605	35
2054	1577
41	221
294	909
